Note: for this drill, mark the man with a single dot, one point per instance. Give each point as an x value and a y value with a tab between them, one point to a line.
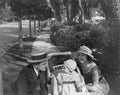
33	79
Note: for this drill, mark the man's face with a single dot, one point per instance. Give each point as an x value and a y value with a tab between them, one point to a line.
42	66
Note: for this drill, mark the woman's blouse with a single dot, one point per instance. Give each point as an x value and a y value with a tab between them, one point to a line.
92	75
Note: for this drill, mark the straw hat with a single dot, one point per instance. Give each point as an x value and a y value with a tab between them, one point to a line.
87	51
70	64
38	57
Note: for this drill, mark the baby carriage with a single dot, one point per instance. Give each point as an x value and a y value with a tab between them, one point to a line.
70	86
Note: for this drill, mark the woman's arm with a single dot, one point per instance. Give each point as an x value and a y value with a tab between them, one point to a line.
22	84
95	78
91	88
95	75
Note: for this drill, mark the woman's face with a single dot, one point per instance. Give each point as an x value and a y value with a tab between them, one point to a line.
82	57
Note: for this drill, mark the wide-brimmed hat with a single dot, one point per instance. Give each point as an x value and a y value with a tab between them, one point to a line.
38	57
87	51
70	64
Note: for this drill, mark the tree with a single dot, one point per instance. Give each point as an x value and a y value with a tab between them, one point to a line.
56	5
31	10
111	9
19	9
68	9
37	10
2	3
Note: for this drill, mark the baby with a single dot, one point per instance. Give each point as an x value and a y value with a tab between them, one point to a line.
70	80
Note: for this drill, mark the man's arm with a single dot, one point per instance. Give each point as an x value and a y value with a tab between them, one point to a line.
48	74
22	84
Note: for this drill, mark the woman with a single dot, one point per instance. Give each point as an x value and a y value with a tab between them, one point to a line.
95	82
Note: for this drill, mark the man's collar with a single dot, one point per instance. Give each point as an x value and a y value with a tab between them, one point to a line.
36	71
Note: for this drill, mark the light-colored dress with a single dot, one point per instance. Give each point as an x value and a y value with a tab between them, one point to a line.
68	82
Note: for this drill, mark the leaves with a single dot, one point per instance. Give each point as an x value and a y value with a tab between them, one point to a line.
30	8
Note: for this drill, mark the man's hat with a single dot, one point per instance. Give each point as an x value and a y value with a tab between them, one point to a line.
39	57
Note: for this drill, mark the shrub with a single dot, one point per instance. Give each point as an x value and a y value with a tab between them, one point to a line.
71	37
97	37
103	38
55	26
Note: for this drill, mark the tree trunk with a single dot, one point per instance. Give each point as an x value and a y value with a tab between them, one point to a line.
20	33
1	86
38	23
30	28
81	13
67	12
34	27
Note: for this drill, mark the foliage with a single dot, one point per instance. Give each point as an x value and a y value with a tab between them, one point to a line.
71	37
65	9
18	7
103	39
56	7
43	12
2	3
55	26
29	9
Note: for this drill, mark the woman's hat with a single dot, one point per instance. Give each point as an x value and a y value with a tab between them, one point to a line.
87	51
39	57
70	64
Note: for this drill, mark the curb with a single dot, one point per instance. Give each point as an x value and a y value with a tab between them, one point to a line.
8	49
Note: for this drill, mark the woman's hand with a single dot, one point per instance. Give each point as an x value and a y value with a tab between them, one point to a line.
90	84
91	87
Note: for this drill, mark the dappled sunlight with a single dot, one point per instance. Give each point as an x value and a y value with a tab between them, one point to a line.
15	24
9	35
41	46
43	36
